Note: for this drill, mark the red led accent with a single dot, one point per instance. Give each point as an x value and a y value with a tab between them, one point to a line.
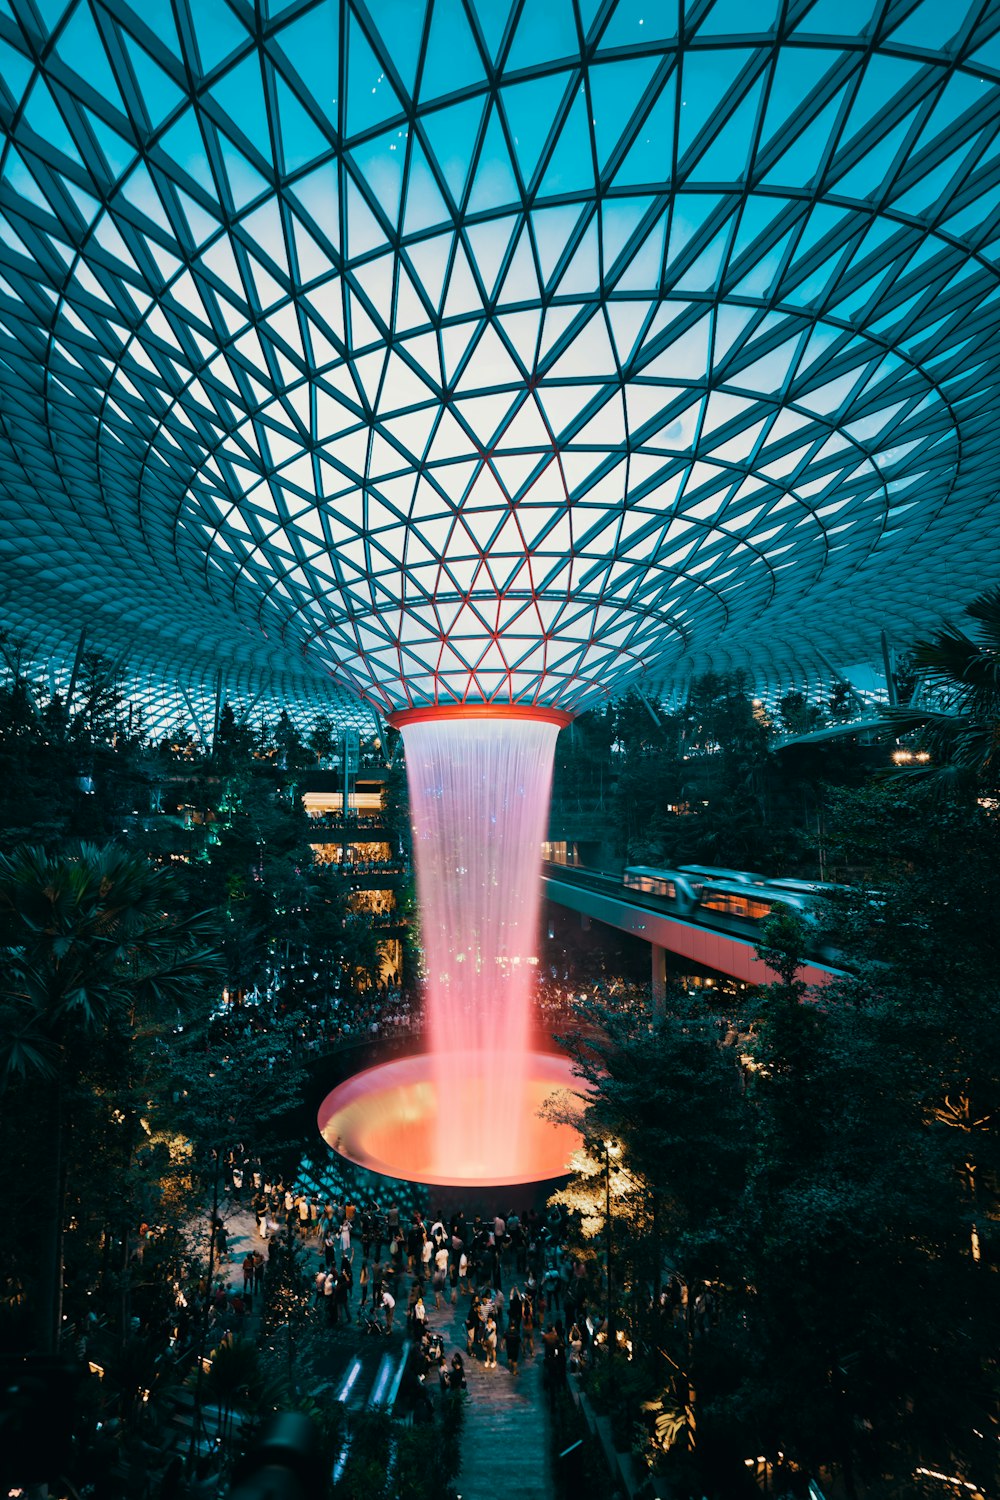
404	716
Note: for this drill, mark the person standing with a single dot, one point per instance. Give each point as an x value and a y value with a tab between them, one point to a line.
528	1327
389	1303
512	1345
342	1294
471	1325
363	1285
490	1342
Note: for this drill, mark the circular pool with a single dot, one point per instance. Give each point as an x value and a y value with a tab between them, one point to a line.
387	1119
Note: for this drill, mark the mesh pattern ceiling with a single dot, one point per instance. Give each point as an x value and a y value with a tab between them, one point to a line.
466	351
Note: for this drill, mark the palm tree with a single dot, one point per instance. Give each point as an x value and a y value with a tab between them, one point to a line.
964	671
90	946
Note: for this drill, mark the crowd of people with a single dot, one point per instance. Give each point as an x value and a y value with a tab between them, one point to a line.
383	1267
349	1015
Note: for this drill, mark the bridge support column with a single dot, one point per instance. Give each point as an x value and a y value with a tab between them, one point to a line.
659	977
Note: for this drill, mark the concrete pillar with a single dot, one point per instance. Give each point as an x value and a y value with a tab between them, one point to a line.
659	977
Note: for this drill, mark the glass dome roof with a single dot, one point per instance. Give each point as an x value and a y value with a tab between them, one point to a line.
462	351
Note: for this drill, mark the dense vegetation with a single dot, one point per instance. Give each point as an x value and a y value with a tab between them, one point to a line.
166	937
791	1208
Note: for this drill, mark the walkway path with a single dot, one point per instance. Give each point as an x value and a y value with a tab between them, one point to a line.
505	1437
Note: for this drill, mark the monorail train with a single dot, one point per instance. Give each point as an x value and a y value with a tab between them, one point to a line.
736	900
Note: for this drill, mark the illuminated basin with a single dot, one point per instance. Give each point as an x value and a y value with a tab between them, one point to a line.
385	1119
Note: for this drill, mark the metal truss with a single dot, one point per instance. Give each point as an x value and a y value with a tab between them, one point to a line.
452	350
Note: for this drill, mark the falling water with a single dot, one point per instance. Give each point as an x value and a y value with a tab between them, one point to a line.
479	799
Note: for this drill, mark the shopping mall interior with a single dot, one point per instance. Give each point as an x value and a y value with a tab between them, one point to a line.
499	749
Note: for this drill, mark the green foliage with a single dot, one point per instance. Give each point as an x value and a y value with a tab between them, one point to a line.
389	1461
962	670
841	1196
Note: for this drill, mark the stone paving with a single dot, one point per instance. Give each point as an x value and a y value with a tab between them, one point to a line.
505	1438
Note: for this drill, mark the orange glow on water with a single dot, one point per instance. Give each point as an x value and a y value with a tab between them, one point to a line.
386	1119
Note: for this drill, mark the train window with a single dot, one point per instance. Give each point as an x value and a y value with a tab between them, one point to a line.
638	879
734	904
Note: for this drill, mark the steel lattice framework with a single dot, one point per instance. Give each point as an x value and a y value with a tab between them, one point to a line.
461	350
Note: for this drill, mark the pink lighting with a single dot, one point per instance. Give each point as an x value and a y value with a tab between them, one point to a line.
385	1119
480	780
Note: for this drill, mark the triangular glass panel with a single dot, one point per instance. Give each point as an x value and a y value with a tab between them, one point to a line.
314	260
636	21
218	33
463	296
531	109
312	41
552	228
183	145
410	311
620	217
583	273
200	221
425	207
489	243
452	135
319	196
494	183
118	152
884	79
728	157
570	168
139	190
302	141
452	60
627	319
364	232
82	49
797	71
930	26
544	33
245	182
380	162
929	196
988	56
401	26
430	263
644	271
706	78
870	177
160	93
241	95
650	158
799	163
731	18
838	18
616	91
371	98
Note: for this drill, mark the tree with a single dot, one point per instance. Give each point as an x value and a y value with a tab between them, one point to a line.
798	715
666	1151
865	1302
964	669
89	945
